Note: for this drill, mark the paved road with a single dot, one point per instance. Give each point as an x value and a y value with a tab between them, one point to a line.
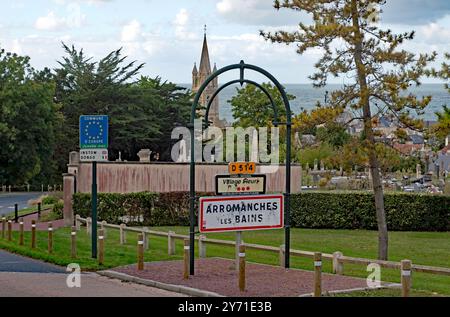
23	277
15	263
7	201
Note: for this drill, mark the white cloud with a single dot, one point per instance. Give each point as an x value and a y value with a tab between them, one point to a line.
52	22
49	22
181	24
435	33
139	44
257	12
131	32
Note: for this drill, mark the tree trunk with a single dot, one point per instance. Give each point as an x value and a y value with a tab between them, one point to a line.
370	138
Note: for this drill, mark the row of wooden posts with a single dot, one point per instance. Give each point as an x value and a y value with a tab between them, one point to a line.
7	233
142	245
337	257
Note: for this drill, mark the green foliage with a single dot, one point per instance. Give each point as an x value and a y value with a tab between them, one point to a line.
330	210
142	111
252	108
28	120
334	134
58	209
145	208
404	212
442	128
50	200
308	155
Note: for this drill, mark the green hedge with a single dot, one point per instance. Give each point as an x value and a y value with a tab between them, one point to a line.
356	210
321	210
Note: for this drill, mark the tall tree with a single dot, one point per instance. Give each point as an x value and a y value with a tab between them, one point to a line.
252	108
29	120
88	87
442	128
142	111
377	70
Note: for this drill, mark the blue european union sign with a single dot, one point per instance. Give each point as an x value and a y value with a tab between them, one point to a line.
94	132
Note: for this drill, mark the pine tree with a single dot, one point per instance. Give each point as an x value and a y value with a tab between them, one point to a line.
442	128
378	72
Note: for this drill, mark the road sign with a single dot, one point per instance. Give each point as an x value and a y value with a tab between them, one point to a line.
241	213
226	184
99	155
244	168
94	132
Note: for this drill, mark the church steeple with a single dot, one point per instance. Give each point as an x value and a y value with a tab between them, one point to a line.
199	76
205	64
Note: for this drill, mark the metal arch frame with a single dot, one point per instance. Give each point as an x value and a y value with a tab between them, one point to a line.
242	67
237	81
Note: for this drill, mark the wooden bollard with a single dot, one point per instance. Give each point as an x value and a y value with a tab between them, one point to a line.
281	255
406	266
50	238
338	267
145	238
103	227
186	259
202	246
123	234
88	225
237	247
140	251
73	234
33	234
77	223
170	243
3	227
101	246
9	230
317	274
21	232
242	268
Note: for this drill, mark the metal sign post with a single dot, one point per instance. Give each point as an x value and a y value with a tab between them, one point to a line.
94	148
242	67
94	210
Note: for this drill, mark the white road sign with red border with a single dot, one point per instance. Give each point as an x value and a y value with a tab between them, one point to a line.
241	213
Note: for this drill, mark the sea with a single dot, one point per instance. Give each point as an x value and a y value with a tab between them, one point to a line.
307	97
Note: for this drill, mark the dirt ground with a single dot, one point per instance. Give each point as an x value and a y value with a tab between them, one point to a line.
219	276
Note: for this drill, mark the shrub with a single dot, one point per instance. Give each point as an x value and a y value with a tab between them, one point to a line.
148	209
356	210
58	209
320	210
49	200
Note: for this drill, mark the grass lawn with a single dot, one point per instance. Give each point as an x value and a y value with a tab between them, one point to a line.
386	293
420	247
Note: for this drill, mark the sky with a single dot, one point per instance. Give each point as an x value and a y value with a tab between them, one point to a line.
167	35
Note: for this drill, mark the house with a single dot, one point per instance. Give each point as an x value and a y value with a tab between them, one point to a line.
416	139
408	149
441	163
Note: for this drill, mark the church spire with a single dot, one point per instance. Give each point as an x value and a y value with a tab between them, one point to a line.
195	71
205	64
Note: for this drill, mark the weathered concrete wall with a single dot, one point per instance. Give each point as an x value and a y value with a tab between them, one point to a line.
126	177
129	177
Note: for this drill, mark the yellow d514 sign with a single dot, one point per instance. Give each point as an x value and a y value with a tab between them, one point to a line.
242	168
